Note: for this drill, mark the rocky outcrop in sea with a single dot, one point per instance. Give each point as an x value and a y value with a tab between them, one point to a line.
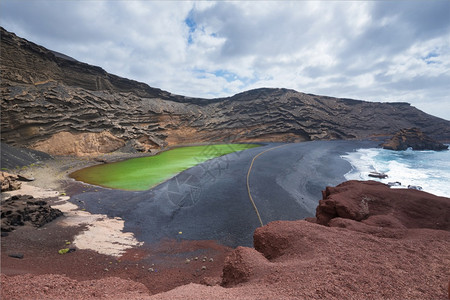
413	138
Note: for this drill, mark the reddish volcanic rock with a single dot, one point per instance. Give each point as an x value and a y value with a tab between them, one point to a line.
278	238
375	204
380	243
241	265
318	262
61	287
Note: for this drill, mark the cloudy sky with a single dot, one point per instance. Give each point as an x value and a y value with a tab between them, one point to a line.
375	50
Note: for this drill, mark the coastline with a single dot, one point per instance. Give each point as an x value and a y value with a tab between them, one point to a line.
203	201
167	260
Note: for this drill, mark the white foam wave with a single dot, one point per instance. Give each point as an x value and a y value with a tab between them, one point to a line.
428	169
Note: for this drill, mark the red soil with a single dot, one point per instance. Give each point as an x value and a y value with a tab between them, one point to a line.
377	243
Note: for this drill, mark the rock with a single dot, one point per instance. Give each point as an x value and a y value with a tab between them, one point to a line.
80	144
374	203
413	138
101	160
211	281
73	108
24	209
268	240
24	178
9	182
241	265
16	255
415	187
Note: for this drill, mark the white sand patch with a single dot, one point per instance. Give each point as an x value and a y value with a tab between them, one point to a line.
104	235
36	192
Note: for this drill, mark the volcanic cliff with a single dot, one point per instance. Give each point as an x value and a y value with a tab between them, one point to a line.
56	104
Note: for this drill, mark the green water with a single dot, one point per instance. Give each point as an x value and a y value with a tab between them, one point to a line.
139	174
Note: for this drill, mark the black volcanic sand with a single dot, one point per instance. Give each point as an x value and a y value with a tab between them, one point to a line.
211	202
14	157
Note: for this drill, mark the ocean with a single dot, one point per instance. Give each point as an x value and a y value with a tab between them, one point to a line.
427	169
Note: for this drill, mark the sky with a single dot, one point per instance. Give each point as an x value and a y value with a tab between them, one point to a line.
383	51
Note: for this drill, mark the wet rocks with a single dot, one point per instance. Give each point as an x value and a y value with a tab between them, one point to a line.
25	210
413	138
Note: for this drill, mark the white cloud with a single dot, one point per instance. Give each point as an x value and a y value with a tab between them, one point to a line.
376	51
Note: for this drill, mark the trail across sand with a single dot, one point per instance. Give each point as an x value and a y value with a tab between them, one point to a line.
210	201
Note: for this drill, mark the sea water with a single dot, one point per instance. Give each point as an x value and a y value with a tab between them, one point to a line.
427	169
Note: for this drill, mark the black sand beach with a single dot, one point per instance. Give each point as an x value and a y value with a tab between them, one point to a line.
211	202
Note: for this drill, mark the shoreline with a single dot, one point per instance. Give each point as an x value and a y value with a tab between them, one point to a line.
53	176
172	264
299	189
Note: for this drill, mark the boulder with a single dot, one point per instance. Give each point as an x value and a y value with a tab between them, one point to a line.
376	204
24	209
9	182
241	265
413	138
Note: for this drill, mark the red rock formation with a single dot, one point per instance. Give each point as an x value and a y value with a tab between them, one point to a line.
378	243
395	246
375	204
241	265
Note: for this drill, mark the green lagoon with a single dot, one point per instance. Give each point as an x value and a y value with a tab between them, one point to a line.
140	174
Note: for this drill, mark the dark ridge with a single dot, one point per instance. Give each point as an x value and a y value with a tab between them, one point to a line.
45	93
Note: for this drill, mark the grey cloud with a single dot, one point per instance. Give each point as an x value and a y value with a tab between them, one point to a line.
281	44
426	19
272	33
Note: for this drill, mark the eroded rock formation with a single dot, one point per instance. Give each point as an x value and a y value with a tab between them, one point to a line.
24	209
46	95
375	204
81	144
413	138
9	182
377	243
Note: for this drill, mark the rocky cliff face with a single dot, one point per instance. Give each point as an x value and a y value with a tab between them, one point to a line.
414	138
48	100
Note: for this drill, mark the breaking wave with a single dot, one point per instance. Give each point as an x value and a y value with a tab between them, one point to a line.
427	169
